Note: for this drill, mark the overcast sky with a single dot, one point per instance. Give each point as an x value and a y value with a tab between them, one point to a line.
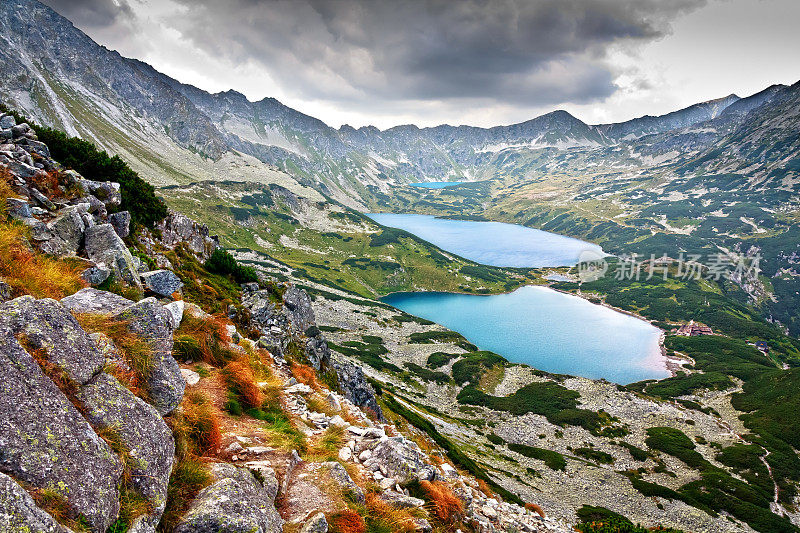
427	62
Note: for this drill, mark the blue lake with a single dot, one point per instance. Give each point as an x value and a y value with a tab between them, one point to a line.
491	243
547	330
436	184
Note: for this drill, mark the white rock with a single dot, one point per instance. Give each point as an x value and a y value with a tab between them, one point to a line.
489	512
386	483
338	421
190	376
363	456
333	401
346	454
377	476
175	309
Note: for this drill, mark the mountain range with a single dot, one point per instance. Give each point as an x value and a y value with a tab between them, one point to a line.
174	133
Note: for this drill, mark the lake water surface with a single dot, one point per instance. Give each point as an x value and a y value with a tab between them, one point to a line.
436	184
547	330
491	243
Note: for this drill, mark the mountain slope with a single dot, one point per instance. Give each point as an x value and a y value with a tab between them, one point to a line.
174	133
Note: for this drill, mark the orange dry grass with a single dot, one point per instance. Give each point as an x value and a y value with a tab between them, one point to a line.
133	350
241	382
306	374
485	488
347	522
398	520
200	424
446	506
535	508
30	272
207	339
49	183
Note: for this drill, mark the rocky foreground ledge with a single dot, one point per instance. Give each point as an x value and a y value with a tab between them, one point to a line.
121	403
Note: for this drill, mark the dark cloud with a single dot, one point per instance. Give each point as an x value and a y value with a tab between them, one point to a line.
92	14
516	51
359	53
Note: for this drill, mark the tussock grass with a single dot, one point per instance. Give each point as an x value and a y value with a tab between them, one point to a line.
135	352
445	505
347	521
30	272
203	339
198	423
242	385
57	506
189	476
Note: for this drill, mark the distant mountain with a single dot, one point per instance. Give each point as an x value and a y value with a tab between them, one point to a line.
175	133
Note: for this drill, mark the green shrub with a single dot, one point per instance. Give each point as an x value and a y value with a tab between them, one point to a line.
221	262
553	460
595	455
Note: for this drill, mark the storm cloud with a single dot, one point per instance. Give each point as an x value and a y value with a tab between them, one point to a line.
517	51
514	52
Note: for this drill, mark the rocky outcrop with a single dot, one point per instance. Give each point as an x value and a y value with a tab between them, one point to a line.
354	386
103	245
50	328
318	353
95	301
161	282
141	430
47	444
297	306
177	228
18	511
65	232
235	503
151	322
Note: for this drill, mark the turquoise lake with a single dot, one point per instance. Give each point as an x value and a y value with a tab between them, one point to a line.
548	330
491	243
436	184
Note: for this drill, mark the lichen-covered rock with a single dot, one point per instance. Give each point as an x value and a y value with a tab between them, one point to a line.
175	310
315	524
400	500
107	192
161	282
5	291
66	233
103	245
141	430
318	353
399	458
48	326
354	386
149	320
121	222
235	503
46	443
177	228
337	472
18	511
95	301
95	275
298	305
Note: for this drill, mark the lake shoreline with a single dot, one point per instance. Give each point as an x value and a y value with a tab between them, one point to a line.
652	356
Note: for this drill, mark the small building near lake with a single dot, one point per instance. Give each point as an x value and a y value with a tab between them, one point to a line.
694	329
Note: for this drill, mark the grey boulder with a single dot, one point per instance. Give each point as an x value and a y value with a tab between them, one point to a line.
121	222
49	327
298	305
150	321
318	353
95	275
141	430
235	503
161	282
95	301
107	192
46	443
18	511
315	524
7	122
66	232
103	245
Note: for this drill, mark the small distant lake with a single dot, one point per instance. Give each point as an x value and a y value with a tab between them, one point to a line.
548	330
436	184
491	243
